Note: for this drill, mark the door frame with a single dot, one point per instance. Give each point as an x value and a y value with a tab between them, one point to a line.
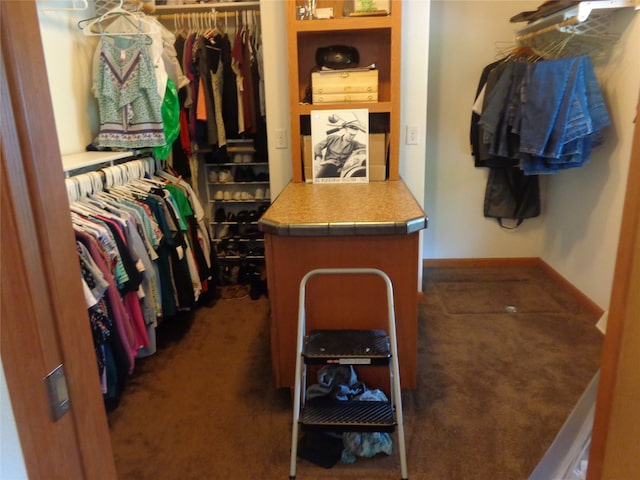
43	323
614	440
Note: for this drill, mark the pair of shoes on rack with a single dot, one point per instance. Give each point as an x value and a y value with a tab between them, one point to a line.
242	158
243	174
222	232
224	176
243	216
257	279
229	275
227	248
218	155
262	177
220	215
263	194
252	233
242	195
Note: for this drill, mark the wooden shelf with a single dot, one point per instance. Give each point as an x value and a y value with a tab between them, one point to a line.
373	107
377	39
343	24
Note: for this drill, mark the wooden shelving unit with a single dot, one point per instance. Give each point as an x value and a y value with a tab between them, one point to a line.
377	39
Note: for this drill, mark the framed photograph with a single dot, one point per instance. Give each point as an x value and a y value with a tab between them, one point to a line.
340	145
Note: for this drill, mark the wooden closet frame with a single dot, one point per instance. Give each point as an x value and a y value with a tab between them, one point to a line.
43	324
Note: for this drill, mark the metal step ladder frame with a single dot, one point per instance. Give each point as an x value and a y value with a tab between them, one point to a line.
301	375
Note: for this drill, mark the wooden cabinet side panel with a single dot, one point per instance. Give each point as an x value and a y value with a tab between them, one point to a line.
347	301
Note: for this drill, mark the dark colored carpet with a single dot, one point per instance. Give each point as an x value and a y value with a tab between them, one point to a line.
494	387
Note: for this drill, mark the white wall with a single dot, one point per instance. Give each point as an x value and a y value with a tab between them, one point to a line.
463	41
12	465
577	233
585	205
68	55
276	72
413	99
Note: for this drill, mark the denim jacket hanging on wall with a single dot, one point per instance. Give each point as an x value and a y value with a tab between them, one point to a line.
533	118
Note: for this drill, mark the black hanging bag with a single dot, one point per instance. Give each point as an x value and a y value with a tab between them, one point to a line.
510	194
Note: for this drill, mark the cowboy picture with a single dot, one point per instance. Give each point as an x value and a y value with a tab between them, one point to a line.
340	146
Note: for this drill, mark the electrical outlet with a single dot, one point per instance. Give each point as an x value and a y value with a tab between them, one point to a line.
412	135
281	138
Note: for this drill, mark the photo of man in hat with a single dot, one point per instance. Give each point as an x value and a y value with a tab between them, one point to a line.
341	153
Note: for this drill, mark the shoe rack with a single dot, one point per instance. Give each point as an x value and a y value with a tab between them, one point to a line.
238	194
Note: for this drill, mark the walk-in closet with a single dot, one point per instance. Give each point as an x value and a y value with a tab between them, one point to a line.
514	325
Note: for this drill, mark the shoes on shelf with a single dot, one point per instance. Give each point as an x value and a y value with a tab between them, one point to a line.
242	195
243	216
220	215
238	175
244	174
225	176
223	231
249	176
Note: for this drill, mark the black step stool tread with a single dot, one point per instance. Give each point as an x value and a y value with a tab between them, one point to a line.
347	347
348	416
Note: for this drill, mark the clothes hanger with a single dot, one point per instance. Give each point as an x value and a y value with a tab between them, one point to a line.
88	26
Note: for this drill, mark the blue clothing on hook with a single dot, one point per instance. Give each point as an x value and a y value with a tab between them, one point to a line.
563	111
547	115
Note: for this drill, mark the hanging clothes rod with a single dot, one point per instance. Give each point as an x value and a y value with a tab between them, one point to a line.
199	14
581	29
161	10
575	14
97	180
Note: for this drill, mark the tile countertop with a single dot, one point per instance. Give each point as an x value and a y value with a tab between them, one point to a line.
374	208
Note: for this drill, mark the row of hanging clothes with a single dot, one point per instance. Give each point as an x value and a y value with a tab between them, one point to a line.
533	116
221	55
145	256
177	92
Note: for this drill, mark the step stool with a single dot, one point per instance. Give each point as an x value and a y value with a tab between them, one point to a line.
347	347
